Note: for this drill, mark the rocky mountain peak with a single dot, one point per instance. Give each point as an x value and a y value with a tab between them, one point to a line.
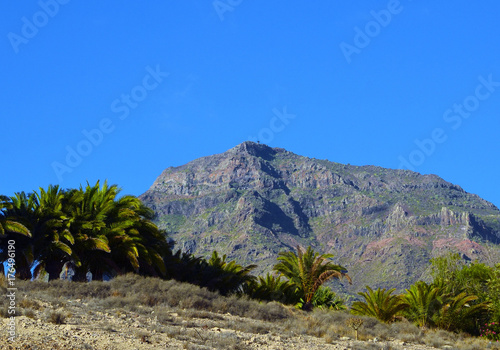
384	225
255	149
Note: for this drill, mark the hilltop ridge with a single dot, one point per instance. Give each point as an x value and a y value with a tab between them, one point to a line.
384	225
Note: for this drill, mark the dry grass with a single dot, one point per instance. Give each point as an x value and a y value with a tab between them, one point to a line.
3	283
29	313
476	344
131	291
3	301
406	332
204	315
28	303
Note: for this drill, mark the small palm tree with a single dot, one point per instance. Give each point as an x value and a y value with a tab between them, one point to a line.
423	300
381	304
325	298
182	266
308	271
460	312
272	288
227	277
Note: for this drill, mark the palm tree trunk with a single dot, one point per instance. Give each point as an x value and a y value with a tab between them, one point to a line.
54	268
97	276
23	271
308	306
80	275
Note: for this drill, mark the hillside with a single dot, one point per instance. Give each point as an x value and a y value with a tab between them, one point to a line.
132	312
384	225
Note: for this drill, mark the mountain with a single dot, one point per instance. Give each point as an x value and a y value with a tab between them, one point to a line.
383	225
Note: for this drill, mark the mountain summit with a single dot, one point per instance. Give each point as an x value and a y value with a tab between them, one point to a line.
384	225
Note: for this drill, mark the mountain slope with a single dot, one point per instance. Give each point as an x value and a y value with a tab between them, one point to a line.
384	225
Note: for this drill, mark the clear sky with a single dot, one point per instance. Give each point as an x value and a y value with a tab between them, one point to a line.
121	90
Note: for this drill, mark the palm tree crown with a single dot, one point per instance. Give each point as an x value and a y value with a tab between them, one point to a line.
308	271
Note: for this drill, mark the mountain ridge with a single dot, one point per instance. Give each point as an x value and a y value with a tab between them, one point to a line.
253	201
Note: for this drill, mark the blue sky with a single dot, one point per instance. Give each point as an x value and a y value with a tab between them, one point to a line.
120	91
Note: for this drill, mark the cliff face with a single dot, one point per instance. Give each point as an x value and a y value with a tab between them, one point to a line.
384	225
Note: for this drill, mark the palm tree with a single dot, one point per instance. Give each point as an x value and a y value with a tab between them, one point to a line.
150	242
6	224
381	304
461	312
226	277
52	236
215	274
183	267
114	236
22	209
89	228
423	300
10	229
308	271
48	247
95	221
325	298
272	288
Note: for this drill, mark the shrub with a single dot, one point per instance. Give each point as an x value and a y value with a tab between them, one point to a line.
57	317
491	331
3	311
30	304
332	324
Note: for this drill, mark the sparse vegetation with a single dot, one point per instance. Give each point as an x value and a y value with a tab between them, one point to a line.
90	230
194	315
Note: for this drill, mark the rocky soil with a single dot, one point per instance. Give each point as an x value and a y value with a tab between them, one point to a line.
124	331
